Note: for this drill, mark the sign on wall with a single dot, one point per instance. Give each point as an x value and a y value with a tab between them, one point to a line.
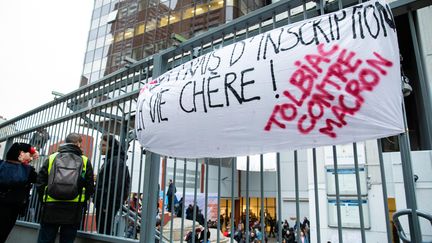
329	80
347	181
350	215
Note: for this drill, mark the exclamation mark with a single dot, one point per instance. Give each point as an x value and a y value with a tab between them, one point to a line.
273	78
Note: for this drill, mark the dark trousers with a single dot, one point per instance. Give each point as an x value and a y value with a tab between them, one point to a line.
169	204
48	233
104	220
9	214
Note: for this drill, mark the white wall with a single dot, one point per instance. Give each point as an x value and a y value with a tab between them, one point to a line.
422	167
424	17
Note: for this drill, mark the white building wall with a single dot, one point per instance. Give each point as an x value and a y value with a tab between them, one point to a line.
422	167
424	18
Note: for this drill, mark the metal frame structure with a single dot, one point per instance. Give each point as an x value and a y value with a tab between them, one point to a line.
108	106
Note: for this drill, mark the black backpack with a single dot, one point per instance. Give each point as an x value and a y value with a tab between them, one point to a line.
66	172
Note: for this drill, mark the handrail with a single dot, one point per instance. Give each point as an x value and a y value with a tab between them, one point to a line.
131	215
408	212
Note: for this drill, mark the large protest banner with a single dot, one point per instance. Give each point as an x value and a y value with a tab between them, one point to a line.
333	79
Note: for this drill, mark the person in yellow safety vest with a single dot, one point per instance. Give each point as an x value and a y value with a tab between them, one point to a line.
64	197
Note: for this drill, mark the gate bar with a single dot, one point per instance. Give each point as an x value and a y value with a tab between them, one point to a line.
233	170
384	190
263	228
297	196
279	195
359	194
408	178
336	173
151	173
318	229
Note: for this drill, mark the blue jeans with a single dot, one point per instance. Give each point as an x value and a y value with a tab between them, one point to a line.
48	233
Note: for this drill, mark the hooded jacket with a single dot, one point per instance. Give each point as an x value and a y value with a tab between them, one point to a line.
113	181
64	212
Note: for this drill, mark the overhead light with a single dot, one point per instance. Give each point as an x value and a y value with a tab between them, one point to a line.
406	87
56	94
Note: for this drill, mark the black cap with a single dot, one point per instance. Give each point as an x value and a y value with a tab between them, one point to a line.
14	151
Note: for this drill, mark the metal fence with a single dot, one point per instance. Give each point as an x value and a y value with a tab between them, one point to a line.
224	196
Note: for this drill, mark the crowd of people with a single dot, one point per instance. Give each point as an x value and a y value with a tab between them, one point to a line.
65	183
271	229
63	207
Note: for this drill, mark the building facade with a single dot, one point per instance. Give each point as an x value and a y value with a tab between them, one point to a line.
140	28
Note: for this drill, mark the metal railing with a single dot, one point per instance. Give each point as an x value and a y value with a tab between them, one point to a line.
223	197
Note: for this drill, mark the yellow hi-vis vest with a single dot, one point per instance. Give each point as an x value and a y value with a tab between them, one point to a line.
79	198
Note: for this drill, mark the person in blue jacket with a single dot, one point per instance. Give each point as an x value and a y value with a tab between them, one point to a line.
16	177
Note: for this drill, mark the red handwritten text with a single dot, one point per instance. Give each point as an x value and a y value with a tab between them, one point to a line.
332	82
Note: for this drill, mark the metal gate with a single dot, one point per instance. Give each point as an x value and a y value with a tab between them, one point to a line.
331	194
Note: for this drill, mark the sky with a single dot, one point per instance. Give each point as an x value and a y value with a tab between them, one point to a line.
42	49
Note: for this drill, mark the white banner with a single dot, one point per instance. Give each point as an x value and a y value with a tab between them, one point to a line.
334	79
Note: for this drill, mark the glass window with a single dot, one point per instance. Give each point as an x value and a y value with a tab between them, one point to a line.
109	39
117	58
105	9
127	52
216	5
151	25
91	45
169	4
98	53
94	23
133	7
104	63
94	76
137	53
113	6
100	42
105	51
172	18
93	34
128	33
102	73
123	12
89	56
118	37
87	67
103	20
98	3
96	13
96	65
139	29
102	31
148	50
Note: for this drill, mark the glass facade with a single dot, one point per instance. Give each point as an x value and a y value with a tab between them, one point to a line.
140	28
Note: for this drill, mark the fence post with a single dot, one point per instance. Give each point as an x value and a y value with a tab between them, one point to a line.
408	178
150	190
151	174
